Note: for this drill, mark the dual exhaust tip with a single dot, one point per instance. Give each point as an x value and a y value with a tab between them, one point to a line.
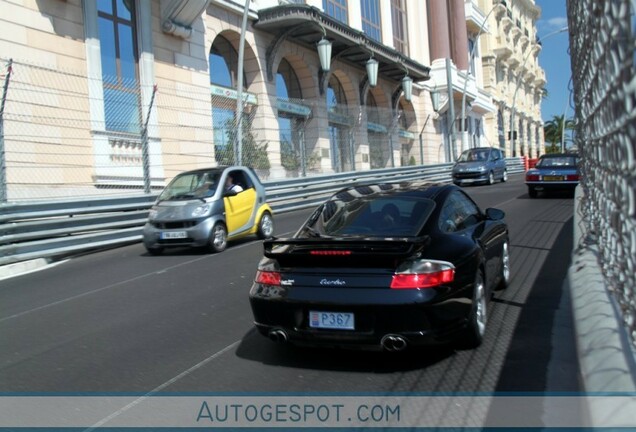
278	335
393	343
390	342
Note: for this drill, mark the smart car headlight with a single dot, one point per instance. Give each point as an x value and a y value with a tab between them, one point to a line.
201	210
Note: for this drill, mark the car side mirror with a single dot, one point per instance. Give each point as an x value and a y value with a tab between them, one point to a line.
495	214
230	193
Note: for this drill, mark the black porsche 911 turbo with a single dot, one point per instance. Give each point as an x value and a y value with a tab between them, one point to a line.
384	266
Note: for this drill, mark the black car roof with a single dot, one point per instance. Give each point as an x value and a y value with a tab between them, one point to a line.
416	188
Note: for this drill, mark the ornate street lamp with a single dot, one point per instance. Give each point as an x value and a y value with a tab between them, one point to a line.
435	100
324	53
407	86
372	71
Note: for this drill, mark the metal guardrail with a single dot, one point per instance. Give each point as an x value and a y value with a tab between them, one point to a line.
60	228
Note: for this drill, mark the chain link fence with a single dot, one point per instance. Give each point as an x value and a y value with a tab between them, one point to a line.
603	54
65	134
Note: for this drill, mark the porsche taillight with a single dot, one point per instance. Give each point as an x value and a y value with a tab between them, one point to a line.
532	177
572	177
423	274
268	277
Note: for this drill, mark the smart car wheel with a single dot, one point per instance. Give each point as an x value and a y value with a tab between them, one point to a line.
491	178
504	177
218	238
504	277
265	226
476	328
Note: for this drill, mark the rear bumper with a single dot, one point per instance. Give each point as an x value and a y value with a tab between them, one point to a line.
560	185
421	320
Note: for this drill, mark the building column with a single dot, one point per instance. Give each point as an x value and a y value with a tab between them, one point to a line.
458	34
439	34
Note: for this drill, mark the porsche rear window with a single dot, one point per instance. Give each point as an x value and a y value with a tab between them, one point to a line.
390	216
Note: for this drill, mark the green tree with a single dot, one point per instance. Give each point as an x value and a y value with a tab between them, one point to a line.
253	154
553	132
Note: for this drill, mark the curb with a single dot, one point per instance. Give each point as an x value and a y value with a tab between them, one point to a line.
606	356
16	269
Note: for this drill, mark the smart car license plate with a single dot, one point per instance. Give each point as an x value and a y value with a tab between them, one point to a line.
553	178
331	320
166	235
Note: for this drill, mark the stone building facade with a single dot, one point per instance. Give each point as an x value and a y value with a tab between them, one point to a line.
118	93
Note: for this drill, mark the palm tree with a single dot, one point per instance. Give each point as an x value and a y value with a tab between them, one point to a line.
553	132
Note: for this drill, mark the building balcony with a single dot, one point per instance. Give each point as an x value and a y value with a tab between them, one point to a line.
475	17
514	60
503	52
539	80
507	24
515	34
501	9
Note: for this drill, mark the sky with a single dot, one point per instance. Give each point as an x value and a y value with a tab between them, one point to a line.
555	59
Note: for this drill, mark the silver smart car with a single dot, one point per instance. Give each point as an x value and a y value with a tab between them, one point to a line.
197	209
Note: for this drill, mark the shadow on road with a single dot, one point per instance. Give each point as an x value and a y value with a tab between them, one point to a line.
527	362
258	348
556	194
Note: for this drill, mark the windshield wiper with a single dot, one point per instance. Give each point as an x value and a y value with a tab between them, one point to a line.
187	196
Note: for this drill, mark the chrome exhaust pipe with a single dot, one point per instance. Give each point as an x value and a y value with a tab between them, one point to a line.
278	335
393	343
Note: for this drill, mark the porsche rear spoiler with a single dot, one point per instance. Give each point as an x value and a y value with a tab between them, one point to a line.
397	247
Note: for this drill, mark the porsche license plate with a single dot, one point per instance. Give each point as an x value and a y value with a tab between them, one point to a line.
553	178
331	320
166	235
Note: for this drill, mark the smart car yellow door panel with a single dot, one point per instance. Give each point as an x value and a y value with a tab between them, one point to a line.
238	210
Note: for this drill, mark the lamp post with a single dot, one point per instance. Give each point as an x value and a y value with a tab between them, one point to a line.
565	121
514	97
470	62
238	147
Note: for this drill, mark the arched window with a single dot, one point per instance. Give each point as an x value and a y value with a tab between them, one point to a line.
335	94
339	125
223	69
290	121
405	120
377	140
287	84
223	63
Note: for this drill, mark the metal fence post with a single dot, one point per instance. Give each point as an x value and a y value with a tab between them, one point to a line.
303	150
145	155
3	163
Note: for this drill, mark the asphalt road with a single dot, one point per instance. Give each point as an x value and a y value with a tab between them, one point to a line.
123	321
